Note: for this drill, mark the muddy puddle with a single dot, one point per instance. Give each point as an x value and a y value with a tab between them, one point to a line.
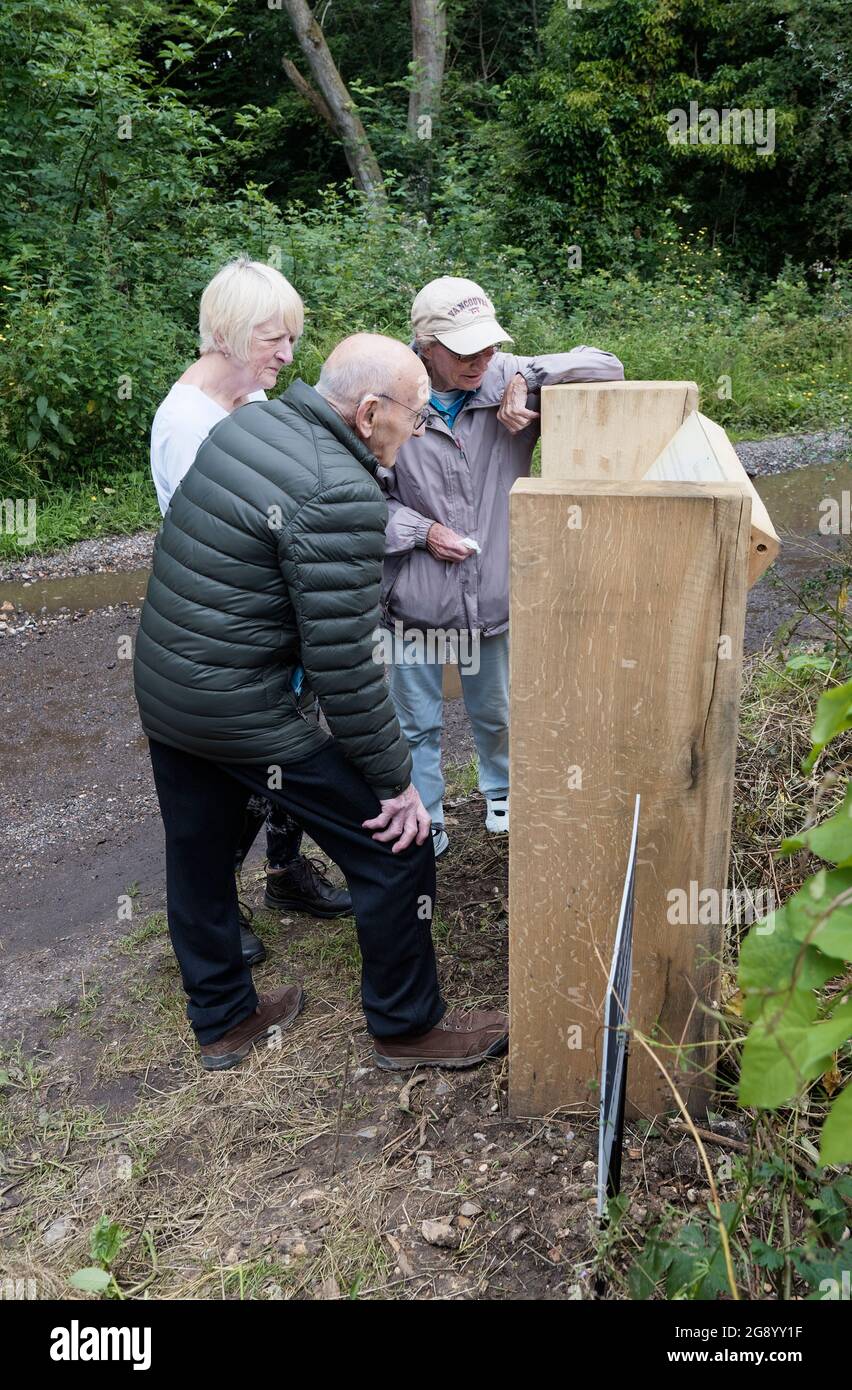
797	503
82	592
793	500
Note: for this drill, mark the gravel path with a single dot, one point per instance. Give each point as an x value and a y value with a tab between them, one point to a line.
782	452
98	555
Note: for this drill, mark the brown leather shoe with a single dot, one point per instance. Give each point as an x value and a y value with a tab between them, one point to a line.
274	1012
459	1040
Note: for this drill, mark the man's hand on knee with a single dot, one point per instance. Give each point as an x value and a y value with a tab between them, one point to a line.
403	818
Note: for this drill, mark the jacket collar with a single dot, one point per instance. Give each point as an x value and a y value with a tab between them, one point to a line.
311	406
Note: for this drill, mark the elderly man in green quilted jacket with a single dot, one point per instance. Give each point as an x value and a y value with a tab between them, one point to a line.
264	598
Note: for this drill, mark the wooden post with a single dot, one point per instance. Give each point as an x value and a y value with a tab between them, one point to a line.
610	429
627	613
701	452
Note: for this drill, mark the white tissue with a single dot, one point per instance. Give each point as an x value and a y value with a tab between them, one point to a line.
472	544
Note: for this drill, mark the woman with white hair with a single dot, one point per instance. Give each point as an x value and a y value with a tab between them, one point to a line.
249	322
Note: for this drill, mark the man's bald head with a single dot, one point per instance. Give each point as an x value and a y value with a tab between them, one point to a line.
368	364
378	385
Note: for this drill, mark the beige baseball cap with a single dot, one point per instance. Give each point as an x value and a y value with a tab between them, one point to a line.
459	314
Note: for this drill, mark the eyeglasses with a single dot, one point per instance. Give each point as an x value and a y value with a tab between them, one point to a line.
420	416
472	356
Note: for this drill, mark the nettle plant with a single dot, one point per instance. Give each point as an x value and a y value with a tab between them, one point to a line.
795	973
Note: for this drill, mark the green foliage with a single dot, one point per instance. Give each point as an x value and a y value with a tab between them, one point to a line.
599	168
109	230
689	1264
106	1242
796	1032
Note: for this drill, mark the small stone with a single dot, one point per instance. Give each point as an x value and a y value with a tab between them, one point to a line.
424	1168
516	1231
311	1197
295	1244
441	1233
370	1132
480	1138
56	1231
470	1209
589	1171
360	1072
443	1088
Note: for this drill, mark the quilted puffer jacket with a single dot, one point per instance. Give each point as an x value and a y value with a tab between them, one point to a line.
270	557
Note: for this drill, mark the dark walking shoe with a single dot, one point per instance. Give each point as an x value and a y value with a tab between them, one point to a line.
251	946
303	886
459	1040
274	1013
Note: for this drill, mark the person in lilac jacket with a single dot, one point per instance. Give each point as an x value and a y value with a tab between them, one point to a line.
447	561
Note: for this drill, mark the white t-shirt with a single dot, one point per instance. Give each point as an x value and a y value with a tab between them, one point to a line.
182	423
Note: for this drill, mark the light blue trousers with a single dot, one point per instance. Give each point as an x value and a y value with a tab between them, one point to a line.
418	697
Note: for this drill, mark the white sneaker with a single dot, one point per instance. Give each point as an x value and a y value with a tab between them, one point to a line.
497	815
440	840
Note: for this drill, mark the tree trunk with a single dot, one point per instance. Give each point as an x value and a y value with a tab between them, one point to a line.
346	122
429	50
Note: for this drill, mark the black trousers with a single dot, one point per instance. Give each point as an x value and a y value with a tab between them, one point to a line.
203	807
283	833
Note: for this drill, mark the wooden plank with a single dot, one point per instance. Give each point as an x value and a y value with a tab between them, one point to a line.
610	429
701	452
626	650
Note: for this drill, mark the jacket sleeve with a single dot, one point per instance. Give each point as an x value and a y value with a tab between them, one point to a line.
407	529
331	557
580	364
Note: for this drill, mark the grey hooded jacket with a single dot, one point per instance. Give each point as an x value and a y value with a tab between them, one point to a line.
462	479
270	557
